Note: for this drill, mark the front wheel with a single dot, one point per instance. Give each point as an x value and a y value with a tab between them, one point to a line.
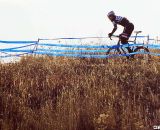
142	53
116	53
112	52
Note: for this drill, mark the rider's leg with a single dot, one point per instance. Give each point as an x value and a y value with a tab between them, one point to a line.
124	40
125	36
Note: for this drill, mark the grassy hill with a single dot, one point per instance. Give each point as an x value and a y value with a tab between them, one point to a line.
47	93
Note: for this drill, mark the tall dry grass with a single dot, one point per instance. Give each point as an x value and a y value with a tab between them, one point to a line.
48	93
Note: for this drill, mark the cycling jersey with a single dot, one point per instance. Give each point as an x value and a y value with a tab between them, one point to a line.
128	27
121	21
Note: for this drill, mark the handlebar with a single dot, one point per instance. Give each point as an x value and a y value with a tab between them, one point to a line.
114	36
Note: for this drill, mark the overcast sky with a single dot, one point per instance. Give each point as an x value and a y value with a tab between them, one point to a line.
32	19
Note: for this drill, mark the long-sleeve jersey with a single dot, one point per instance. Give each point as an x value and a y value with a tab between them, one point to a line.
121	21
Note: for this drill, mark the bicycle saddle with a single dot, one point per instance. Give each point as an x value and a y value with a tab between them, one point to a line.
137	32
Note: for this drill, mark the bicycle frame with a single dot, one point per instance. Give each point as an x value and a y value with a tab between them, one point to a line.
134	41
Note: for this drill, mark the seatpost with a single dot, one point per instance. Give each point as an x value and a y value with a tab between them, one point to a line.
137	32
135	37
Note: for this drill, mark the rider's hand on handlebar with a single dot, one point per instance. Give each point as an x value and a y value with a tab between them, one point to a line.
110	35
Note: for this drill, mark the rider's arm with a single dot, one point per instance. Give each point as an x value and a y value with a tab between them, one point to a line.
115	27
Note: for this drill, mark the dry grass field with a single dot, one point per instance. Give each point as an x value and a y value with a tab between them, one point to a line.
49	93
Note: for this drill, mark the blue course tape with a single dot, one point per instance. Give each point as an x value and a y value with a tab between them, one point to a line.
71	51
139	36
16	47
14	55
61	52
72	46
18	42
104	48
68	51
75	55
154	46
29	51
88	46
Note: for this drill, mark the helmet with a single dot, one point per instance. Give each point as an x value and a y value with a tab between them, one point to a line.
110	13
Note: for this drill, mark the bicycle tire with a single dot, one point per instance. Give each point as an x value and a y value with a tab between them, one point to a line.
112	52
144	53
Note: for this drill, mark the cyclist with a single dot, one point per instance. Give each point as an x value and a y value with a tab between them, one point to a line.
128	27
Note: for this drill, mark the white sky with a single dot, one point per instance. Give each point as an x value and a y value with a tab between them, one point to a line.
32	19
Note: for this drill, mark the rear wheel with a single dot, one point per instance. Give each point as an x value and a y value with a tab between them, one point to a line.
142	53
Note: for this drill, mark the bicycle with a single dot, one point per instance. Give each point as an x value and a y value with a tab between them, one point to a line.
139	52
